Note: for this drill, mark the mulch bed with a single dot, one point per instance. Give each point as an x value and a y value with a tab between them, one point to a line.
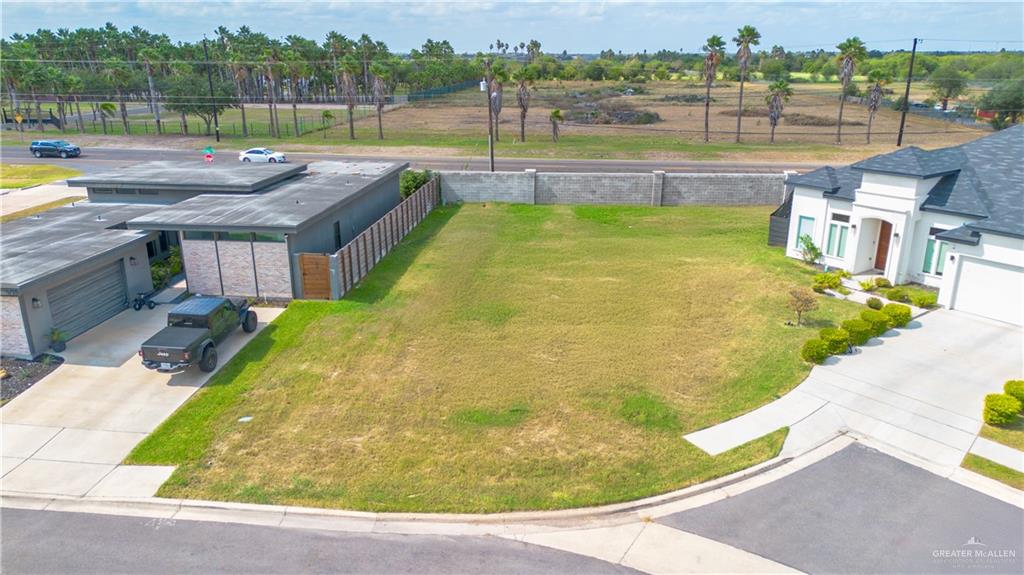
23	374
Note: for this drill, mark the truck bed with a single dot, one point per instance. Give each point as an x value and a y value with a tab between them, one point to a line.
175	337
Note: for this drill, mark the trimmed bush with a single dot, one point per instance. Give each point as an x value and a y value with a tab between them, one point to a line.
875	303
925	299
899	314
843	290
1015	388
837	339
859	330
897	294
878	320
867	285
815	351
830	280
882	283
1000	409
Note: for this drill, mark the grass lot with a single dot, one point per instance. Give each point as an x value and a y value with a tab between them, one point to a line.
507	357
1012	434
20	176
40	208
993	470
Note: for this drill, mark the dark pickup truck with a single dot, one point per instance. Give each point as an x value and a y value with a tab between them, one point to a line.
194	328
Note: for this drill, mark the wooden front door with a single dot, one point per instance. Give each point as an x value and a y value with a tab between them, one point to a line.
316	276
882	252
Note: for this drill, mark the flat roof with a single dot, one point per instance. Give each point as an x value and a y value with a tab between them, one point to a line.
286	207
226	177
63	239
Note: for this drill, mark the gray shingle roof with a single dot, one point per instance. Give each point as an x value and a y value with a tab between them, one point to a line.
961	235
839	182
912	161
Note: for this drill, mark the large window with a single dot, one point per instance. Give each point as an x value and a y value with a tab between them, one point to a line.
935	253
234	236
838	229
264	237
805	227
198	235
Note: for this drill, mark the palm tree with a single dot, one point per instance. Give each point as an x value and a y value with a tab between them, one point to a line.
875	96
778	94
348	87
714	48
378	72
497	91
523	99
149	56
326	118
556	117
119	77
74	87
269	62
297	68
851	51
107	110
746	37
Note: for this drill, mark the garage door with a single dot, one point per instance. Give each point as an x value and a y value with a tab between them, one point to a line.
991	290
88	300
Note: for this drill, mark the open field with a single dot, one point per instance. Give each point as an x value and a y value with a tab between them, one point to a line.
455	125
508	357
20	176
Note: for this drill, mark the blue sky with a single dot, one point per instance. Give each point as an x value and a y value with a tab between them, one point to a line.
572	26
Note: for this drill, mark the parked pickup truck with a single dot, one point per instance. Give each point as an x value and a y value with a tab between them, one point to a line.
194	329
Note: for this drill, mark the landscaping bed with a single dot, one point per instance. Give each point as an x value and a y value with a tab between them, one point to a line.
23	374
508	357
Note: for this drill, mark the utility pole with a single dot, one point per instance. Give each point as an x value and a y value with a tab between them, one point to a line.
490	112
209	80
906	95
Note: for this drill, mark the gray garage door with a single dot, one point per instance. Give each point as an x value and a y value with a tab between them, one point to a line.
88	300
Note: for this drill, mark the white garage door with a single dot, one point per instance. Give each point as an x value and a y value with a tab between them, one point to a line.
88	300
991	290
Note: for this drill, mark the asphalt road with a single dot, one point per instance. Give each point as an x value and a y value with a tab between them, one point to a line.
95	160
860	511
54	542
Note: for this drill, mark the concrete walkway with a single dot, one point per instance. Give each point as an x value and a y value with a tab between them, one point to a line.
918	389
67	434
1002	454
15	200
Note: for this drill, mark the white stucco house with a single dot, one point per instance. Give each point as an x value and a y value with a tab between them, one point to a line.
951	218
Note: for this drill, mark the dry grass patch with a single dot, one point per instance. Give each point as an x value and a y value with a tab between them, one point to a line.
508	357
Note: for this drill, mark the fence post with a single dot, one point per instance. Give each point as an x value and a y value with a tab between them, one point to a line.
532	175
657	187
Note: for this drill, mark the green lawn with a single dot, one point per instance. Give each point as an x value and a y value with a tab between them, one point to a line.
993	470
507	357
1011	435
20	176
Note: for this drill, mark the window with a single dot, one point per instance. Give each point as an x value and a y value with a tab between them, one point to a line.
199	236
146	192
163	241
101	190
935	253
234	236
125	191
837	232
151	249
805	227
264	237
337	236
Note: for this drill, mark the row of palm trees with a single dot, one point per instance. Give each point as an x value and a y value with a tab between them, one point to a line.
851	52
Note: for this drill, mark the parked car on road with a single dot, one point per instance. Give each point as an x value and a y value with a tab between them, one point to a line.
261	155
194	329
54	149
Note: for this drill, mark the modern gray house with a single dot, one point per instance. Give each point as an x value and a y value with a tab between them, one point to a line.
240	228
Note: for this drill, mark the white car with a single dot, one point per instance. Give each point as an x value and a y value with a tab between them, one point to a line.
261	155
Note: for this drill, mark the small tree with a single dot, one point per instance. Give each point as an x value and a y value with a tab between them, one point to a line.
802	300
946	83
808	251
326	119
556	117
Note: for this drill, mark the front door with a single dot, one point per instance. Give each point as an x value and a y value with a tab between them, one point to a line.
882	252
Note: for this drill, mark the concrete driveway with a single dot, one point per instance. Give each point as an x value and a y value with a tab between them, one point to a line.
920	389
67	434
16	200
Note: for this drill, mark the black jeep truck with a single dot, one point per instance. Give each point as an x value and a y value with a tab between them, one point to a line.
194	328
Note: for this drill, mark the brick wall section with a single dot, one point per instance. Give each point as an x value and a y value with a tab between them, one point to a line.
600	188
723	189
273	270
200	259
236	268
13	341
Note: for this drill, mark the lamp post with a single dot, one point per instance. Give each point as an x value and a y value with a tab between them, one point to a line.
485	87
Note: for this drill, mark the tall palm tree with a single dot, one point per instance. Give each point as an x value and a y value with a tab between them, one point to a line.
269	63
149	57
349	88
119	77
523	99
714	48
326	119
746	37
497	93
378	72
296	68
74	87
851	51
778	94
879	78
556	117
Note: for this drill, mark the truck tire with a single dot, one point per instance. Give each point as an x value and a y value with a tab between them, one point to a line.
208	362
249	323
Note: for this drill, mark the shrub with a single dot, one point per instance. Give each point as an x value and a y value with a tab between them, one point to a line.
867	285
808	251
859	330
412	180
818	288
1001	409
878	320
875	303
801	301
837	339
897	294
882	283
925	299
842	290
1015	388
828	280
814	351
899	314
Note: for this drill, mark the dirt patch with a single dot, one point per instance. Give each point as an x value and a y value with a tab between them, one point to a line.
22	374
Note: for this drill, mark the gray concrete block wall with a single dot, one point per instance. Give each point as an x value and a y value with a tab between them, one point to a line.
273	270
723	189
655	188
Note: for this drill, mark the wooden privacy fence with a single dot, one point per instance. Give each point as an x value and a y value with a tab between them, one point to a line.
349	265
